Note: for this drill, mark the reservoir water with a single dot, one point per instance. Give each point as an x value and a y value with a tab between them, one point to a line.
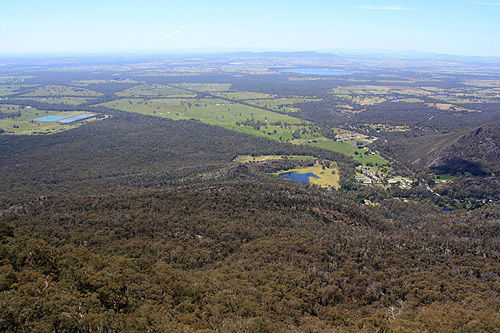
299	177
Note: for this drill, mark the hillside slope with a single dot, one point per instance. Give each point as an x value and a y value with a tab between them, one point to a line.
477	152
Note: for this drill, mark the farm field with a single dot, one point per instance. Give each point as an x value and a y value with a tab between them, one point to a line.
154	90
61	91
244	95
9	89
84	83
262	158
363	156
266	100
378	90
60	100
22	120
204	87
280	104
233	116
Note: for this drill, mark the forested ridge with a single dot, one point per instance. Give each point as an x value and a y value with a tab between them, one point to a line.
236	255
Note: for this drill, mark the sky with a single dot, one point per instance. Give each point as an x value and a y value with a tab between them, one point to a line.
460	27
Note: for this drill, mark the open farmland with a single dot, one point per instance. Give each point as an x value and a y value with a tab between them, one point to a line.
244	95
59	100
204	87
60	91
9	89
267	101
233	116
265	158
21	120
154	90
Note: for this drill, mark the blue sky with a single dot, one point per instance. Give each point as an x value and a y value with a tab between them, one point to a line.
462	27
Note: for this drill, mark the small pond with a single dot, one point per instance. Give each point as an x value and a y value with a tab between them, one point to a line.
299	177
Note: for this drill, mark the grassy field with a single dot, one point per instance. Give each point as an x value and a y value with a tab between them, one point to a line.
262	158
8	89
154	90
411	100
204	87
84	83
61	91
329	176
244	95
363	156
59	100
24	124
280	104
378	90
233	116
265	100
443	178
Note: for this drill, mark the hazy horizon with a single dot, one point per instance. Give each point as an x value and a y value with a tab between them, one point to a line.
446	27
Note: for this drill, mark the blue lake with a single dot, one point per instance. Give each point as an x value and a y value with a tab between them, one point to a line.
331	72
298	177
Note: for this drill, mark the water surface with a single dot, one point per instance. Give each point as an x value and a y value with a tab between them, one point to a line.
299	177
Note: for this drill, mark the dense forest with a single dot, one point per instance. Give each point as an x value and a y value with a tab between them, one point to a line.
135	222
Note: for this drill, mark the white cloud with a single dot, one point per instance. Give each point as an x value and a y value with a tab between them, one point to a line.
177	32
382	8
269	34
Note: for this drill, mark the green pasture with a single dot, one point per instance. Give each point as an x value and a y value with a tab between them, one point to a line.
233	116
443	178
376	90
84	83
244	95
363	156
154	90
262	158
60	100
482	83
280	103
61	91
24	123
8	89
411	100
368	100
329	176
204	87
